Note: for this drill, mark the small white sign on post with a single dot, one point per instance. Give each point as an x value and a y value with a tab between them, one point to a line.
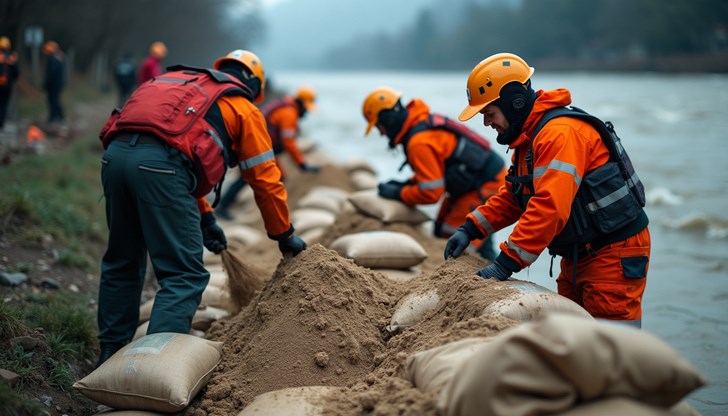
33	36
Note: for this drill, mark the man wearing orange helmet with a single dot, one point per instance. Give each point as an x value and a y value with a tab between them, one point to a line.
164	152
55	80
571	188
8	74
282	117
151	66
447	159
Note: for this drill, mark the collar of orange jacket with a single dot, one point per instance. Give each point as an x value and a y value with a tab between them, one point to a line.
546	100
417	111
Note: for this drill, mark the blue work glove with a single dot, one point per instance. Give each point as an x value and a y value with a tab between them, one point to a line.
309	168
293	244
496	270
390	190
213	237
459	241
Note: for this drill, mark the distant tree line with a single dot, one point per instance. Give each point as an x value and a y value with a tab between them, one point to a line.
617	34
96	33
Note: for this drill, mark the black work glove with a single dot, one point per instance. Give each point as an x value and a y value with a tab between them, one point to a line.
400	183
309	168
390	190
213	237
461	239
496	270
293	244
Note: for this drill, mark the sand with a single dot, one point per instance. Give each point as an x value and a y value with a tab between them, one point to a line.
319	320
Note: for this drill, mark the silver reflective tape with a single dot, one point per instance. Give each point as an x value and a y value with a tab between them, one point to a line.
257	160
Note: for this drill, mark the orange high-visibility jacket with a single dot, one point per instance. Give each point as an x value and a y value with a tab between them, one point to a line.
563	152
286	118
246	127
427	152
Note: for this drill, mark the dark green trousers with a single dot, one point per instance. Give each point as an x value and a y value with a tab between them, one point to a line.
149	209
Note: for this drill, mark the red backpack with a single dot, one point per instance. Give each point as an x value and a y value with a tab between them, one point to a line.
173	107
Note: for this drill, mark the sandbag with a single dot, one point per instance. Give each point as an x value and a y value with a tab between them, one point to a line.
217	296
551	365
159	372
142	331
293	401
386	210
218	278
380	249
304	219
206	315
531	301
352	166
114	412
243	234
327	198
614	406
411	309
432	369
313	235
210	259
363	179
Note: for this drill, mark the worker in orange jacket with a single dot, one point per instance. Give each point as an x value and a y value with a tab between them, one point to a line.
150	187
8	76
282	116
447	159
565	192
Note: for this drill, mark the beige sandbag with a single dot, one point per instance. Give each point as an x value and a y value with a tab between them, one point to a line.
313	235
217	296
210	259
550	365
401	275
304	219
380	249
114	412
243	234
352	166
142	331
293	401
362	179
218	278
432	369
386	210
160	372
327	198
531	301
614	406
411	309
206	315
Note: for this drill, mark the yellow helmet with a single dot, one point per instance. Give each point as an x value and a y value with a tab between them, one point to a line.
250	61
4	43
158	50
307	96
489	76
382	98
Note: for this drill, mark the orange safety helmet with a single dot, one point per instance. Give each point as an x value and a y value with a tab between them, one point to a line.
307	96
382	98
50	47
489	76
158	50
250	61
4	43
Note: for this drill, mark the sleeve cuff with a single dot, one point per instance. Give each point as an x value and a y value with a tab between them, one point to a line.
284	236
508	263
472	230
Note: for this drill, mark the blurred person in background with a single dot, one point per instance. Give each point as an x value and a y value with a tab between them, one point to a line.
570	189
55	80
282	116
125	77
8	75
156	198
151	66
446	157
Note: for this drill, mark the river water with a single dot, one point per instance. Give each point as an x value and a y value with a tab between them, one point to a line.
675	129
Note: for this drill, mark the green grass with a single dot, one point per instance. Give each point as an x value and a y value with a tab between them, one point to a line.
14	404
11	322
20	362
